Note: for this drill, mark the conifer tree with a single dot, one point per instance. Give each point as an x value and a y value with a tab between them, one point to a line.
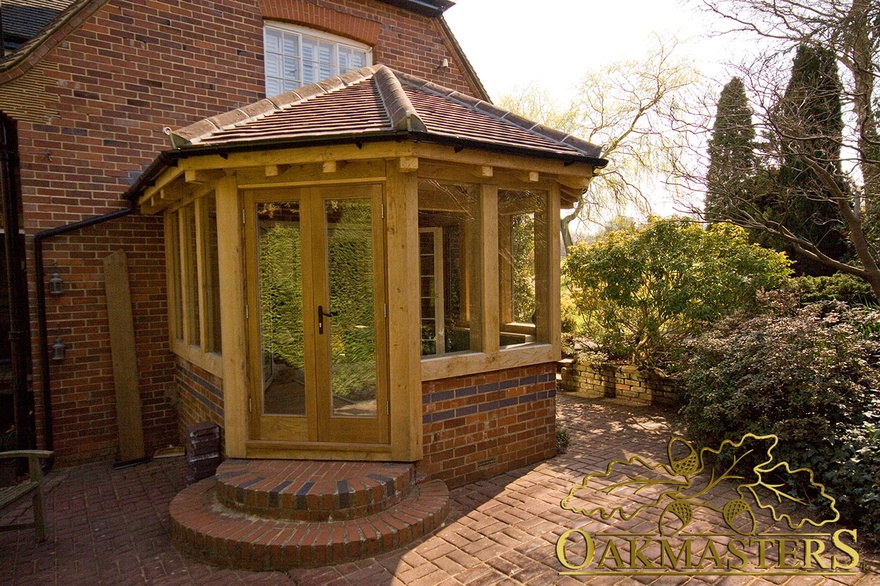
847	30
808	124
731	154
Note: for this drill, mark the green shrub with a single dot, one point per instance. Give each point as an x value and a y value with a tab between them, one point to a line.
642	290
837	287
811	376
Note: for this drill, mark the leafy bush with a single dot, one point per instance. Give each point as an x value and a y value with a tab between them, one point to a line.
641	290
837	287
810	375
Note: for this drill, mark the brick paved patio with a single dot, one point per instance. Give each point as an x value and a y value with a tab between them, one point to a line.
111	526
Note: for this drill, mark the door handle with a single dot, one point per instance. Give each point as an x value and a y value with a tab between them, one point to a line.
321	315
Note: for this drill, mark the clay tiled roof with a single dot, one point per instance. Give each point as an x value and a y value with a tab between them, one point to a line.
377	103
25	19
39	25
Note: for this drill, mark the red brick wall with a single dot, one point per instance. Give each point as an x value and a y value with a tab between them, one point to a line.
98	101
82	390
479	426
200	396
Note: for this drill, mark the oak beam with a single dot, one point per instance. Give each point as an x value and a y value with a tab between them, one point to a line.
408	164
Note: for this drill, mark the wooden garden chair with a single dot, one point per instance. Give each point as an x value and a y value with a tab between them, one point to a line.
33	486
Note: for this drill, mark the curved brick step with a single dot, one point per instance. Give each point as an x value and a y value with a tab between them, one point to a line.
204	528
312	490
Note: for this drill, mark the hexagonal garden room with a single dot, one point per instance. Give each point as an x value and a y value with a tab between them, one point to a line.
368	269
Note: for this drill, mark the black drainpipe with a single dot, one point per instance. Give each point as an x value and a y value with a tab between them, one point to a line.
39	237
16	285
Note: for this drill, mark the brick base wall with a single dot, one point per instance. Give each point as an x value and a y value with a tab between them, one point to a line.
200	397
476	427
627	383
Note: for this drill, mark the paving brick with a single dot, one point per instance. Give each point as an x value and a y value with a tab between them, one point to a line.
85	498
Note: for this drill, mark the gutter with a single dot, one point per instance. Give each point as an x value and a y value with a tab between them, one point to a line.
39	237
170	158
425	7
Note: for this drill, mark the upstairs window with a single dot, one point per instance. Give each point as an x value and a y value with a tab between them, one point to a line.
295	57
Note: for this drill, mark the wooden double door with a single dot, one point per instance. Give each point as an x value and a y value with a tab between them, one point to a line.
316	315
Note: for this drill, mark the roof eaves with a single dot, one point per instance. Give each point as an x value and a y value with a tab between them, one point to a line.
426	7
167	159
459	142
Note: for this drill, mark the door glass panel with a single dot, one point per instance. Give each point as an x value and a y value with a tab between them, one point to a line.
281	308
351	323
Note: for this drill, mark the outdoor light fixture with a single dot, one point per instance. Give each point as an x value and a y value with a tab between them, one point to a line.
56	284
58	350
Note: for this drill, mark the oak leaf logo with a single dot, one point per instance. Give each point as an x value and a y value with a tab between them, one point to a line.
690	481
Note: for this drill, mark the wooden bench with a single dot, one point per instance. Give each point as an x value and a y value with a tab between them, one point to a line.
32	486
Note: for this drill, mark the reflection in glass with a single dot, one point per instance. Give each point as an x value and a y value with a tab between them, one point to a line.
450	267
190	264
281	310
351	329
522	267
212	279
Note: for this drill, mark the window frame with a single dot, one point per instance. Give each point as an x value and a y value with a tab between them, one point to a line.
336	41
193	292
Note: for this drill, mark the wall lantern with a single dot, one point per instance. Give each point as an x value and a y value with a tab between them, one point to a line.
58	350
56	284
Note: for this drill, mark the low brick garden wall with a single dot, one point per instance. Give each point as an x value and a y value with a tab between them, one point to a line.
626	383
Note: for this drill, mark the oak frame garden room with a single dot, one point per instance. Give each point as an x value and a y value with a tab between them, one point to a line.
368	269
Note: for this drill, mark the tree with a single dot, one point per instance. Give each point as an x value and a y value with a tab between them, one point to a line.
641	290
850	30
627	107
800	202
732	162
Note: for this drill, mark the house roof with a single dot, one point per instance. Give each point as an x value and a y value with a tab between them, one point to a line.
35	27
378	103
427	7
24	19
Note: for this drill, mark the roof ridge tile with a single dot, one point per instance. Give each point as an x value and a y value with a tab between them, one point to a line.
502	114
400	110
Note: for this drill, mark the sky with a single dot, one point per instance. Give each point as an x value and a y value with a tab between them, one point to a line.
554	43
511	43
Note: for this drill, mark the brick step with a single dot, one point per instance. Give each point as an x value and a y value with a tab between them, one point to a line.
213	533
312	490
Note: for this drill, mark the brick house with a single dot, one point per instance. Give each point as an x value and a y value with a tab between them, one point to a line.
143	263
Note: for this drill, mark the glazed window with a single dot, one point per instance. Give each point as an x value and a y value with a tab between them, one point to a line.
295	57
450	267
523	260
194	292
